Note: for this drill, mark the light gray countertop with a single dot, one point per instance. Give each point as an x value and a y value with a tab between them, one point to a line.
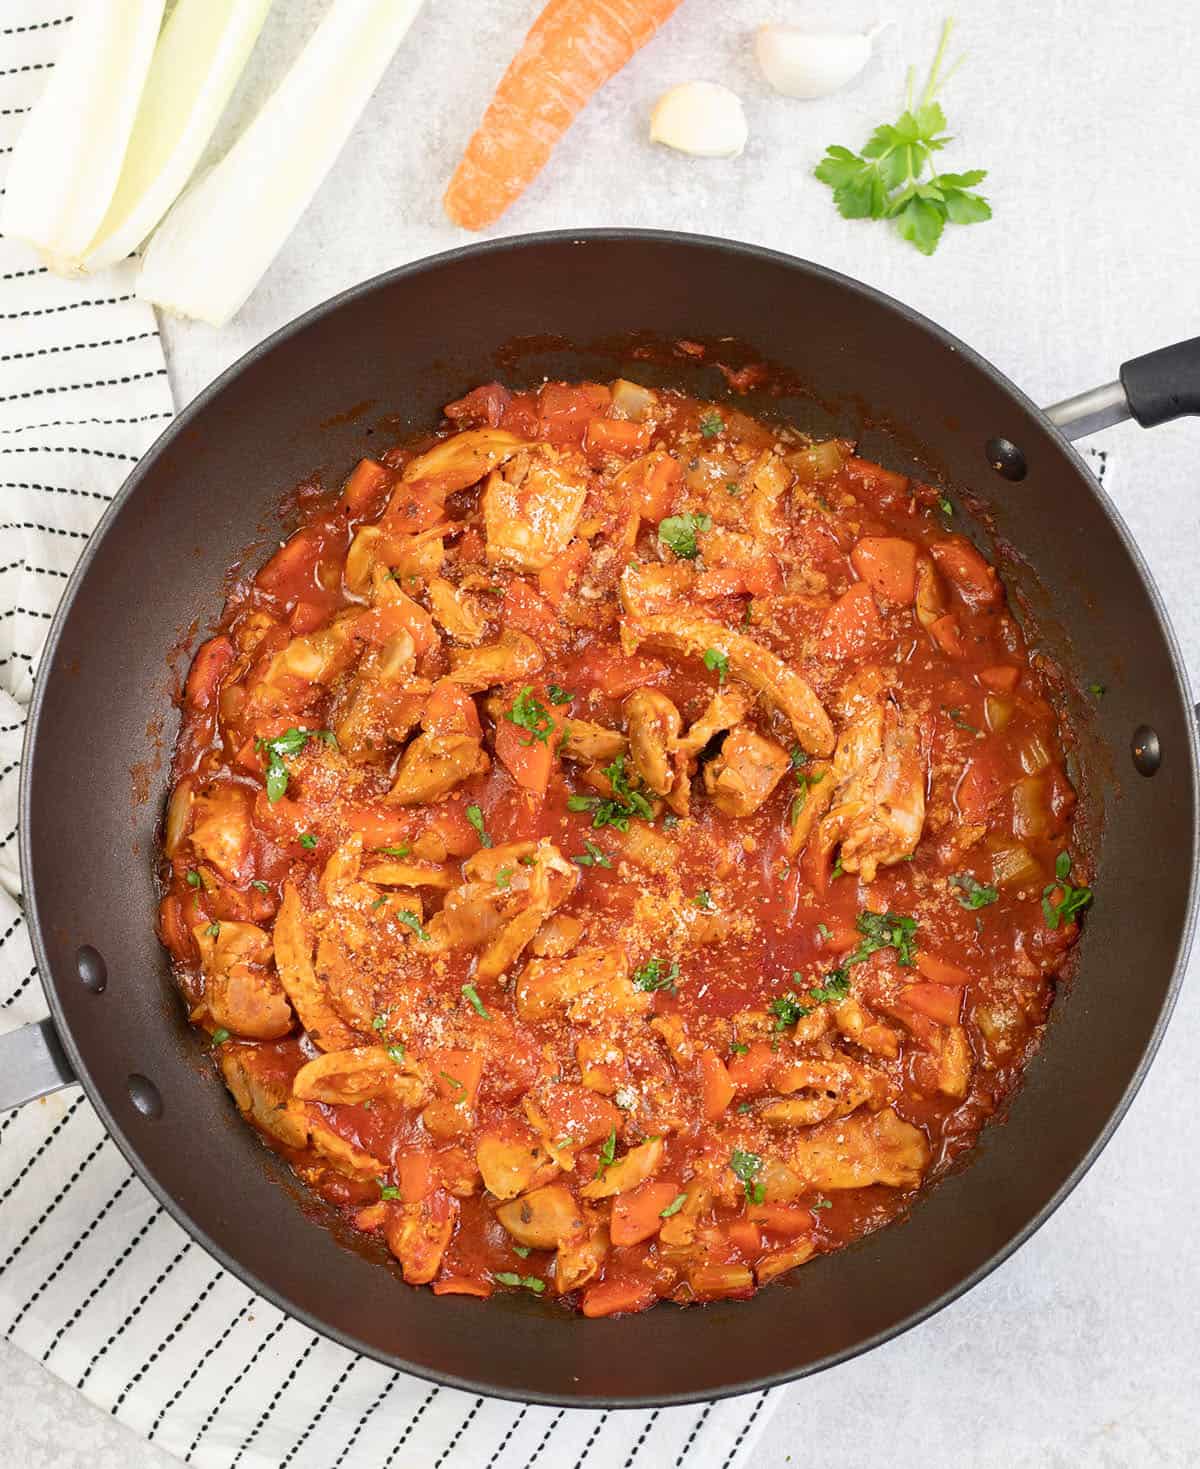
1085	1347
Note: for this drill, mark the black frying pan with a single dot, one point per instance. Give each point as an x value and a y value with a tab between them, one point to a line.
863	365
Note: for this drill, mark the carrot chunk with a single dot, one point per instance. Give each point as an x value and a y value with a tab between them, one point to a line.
616	436
853	625
941	1002
975	581
637	1215
718	1087
941	971
368	483
889	567
616	1297
527	760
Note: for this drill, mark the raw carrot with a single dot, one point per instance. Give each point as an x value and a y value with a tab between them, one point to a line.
571	51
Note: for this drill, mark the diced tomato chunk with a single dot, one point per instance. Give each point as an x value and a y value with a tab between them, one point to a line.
663	476
484	405
853	625
875	477
748	1072
556	580
783	1219
1002	679
941	1002
982	787
289	572
208	667
763	577
414	1176
456	1074
450	710
175	929
528	760
528	611
606	669
564	409
743	1235
889	567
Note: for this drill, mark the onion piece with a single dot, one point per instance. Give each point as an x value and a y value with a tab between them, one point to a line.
632	401
68	158
704	119
219	239
200	55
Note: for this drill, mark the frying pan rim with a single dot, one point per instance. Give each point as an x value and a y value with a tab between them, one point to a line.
752	254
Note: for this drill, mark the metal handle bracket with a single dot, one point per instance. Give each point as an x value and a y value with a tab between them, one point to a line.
32	1064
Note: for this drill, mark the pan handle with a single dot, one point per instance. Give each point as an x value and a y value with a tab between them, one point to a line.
1152	389
32	1063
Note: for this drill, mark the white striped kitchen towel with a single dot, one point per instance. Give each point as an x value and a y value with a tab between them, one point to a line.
96	1281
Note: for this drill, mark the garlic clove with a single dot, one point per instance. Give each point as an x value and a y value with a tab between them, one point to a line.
700	118
810	64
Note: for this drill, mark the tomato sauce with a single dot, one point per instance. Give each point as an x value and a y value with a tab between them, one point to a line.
618	848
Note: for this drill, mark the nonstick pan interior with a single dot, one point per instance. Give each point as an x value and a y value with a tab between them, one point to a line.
103	725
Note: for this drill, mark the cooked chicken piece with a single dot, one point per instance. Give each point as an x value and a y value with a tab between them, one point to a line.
745	773
828	1088
342	867
532	506
864	1148
458	612
545	1219
410	875
931	600
545	985
343	1156
512	657
637	1165
649	848
557	936
577	1262
779	1261
654	724
433	765
361	559
511	1159
954	1063
769	478
221	829
263	1095
462	460
726	708
293	959
749	661
241	994
675	1037
383	702
857	1025
811	801
645	587
362	1072
316	657
417	1234
507	946
589	743
877	810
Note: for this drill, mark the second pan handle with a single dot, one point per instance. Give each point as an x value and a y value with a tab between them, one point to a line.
1152	389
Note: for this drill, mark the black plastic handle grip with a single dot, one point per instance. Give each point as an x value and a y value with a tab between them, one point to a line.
1165	384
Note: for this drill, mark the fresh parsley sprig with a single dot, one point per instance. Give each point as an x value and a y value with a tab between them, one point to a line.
893	177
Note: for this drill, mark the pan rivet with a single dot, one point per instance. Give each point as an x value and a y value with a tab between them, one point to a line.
145	1096
1147	755
1005	458
93	972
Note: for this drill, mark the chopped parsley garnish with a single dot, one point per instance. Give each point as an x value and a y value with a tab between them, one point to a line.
703	900
717	662
558	695
193	878
615	810
283	747
380	1022
531	714
1098	690
822	1204
739	1049
608	1152
262	887
823	932
804	781
835	989
472	994
475	817
654	975
1073	899
787	1010
744	1107
213	931
711	424
944	505
745	1167
732	487
410	920
388	1190
459	1086
378	903
522	1250
838	869
219	1037
678	532
593	856
396	1053
972	894
525	1282
884	931
504	877
955	716
673	1207
307	841
401	851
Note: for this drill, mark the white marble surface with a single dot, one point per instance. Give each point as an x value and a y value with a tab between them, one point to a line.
1085	1348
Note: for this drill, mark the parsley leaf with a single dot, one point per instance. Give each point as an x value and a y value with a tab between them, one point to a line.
892	178
388	1190
260	886
884	931
972	894
558	695
608	1152
1097	690
703	900
396	1052
219	1037
526	1282
307	841
193	878
835	989
472	994
955	716
745	1167
787	1010
711	424
1073	899
593	857
410	919
625	802
213	931
283	747
475	817
717	662
531	714
654	975
678	532
673	1207
504	876
401	851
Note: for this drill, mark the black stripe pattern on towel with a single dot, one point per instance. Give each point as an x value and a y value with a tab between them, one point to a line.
96	1280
